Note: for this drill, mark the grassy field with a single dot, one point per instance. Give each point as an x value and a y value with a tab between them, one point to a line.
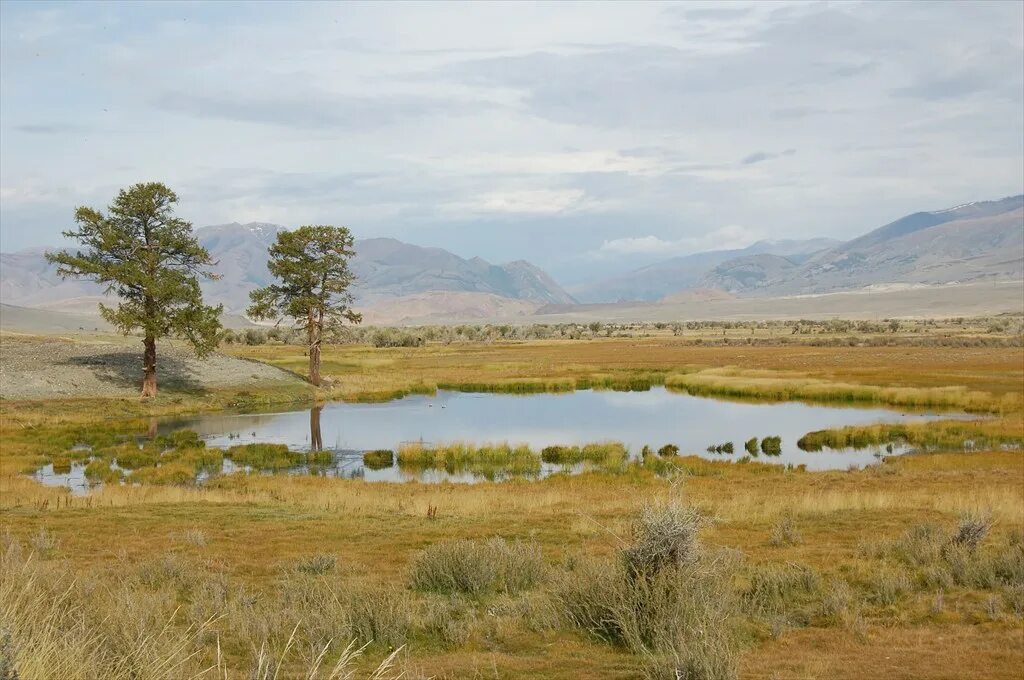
912	568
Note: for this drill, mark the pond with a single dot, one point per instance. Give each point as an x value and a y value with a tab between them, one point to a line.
652	418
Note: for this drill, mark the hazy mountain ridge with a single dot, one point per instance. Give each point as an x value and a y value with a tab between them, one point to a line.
385	269
661	279
980	241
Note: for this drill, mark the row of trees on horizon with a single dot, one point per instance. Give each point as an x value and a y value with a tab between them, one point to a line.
150	259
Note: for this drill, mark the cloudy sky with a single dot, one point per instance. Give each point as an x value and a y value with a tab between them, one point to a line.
578	136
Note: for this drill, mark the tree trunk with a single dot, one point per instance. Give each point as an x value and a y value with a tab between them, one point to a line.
314	363
314	349
316	442
149	367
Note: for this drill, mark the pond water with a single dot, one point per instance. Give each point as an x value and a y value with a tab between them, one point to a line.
654	418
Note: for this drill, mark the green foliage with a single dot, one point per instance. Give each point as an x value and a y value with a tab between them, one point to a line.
149	258
668	450
751	446
771	446
311	264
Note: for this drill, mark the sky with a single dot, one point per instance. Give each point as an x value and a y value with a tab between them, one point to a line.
585	138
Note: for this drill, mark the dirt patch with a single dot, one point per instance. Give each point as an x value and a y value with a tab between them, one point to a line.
33	367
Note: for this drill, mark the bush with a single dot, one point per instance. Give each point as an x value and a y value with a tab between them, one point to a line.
477	567
664	598
668	450
751	446
663	536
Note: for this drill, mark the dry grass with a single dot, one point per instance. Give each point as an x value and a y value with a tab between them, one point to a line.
258	549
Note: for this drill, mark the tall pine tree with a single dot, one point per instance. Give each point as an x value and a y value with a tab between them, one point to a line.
311	264
149	258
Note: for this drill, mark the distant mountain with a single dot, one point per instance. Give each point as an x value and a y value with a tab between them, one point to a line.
662	279
385	269
747	273
981	241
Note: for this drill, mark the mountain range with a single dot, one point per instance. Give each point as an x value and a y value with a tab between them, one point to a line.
400	282
387	270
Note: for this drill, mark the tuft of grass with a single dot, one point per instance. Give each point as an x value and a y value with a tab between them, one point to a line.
668	450
785	532
751	446
477	567
316	565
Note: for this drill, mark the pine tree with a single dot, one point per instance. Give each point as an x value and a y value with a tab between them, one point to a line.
311	264
150	260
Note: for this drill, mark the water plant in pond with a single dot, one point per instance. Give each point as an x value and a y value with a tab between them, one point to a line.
167	474
727	447
943	435
771	446
99	470
61	465
265	456
751	446
379	459
489	460
606	454
668	450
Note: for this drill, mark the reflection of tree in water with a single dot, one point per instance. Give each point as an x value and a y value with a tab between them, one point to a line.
315	440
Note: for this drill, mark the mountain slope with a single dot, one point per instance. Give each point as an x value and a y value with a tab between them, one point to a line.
975	242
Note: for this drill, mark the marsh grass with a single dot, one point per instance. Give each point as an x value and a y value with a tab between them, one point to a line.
779	386
941	435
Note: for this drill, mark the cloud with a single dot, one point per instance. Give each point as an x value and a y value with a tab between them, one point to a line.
311	110
535	201
725	238
760	156
49	129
